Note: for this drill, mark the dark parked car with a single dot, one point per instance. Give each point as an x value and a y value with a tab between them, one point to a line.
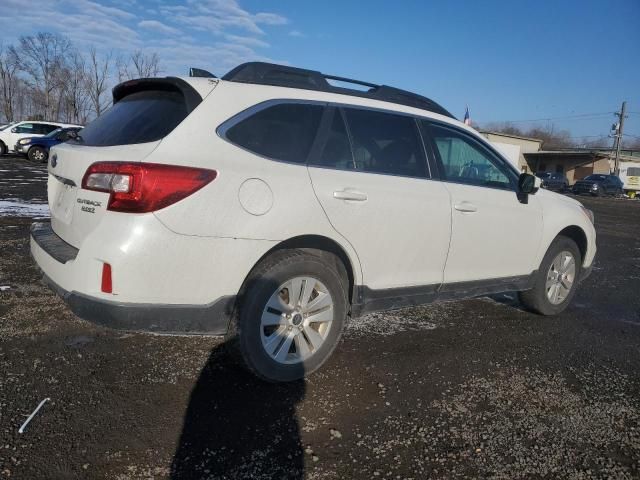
553	181
598	185
37	148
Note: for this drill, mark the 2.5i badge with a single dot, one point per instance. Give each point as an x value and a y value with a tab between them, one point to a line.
88	205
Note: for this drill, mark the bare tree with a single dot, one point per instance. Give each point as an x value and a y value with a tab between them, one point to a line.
550	138
41	57
138	65
9	83
76	97
97	78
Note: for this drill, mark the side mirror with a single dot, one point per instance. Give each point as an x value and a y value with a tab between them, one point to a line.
71	134
528	184
14	129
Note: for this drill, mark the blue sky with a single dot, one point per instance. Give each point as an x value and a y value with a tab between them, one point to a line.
509	60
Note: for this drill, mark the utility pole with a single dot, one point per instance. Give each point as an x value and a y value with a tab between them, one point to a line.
619	133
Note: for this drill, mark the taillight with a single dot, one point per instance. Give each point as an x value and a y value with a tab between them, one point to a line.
144	187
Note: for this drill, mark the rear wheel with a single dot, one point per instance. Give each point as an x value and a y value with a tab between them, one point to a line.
291	314
556	280
37	154
3	148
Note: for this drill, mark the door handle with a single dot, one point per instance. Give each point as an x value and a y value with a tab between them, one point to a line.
350	195
465	207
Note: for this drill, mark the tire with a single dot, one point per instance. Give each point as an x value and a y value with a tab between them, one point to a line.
38	154
3	149
538	298
287	350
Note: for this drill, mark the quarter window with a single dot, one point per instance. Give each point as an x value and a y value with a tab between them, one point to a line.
385	143
464	160
283	132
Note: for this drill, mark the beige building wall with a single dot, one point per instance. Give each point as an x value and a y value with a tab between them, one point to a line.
527	145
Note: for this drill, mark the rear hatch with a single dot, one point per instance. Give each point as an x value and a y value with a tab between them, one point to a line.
144	112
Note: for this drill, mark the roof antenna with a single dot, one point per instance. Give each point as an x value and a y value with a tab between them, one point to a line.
198	72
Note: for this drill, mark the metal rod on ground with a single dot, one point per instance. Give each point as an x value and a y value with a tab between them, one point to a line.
26	422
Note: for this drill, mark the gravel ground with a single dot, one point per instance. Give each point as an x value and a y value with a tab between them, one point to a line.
474	389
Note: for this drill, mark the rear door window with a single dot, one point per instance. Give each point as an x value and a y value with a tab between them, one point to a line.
385	143
140	117
336	150
282	132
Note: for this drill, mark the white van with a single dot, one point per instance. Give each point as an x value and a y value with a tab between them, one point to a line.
630	176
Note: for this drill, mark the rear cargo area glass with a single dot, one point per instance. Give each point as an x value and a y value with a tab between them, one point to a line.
138	118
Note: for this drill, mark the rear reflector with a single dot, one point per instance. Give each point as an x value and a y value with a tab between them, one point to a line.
144	187
107	286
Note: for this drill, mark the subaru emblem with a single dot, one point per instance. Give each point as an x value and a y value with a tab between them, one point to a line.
54	160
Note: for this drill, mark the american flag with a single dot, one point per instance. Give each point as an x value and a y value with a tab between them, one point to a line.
467	118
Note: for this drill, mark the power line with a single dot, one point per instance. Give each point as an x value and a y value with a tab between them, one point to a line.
566	117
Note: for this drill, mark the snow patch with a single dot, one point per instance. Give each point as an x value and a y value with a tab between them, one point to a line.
9	208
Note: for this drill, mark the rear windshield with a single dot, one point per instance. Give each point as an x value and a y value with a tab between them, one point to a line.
137	118
633	172
599	178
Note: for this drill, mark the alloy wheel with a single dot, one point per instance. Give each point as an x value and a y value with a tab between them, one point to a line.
296	320
560	277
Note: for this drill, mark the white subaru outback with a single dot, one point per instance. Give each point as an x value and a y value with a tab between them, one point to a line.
270	205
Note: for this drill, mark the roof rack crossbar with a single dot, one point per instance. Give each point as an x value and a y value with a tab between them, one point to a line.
350	80
263	73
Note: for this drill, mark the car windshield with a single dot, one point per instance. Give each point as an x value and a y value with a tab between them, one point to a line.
53	133
598	178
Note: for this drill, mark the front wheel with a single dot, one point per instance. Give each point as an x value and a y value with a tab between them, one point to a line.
291	314
3	149
556	280
37	154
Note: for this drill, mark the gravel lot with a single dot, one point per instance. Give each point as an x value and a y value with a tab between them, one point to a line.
474	389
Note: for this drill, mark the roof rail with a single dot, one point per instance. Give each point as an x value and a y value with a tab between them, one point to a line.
283	76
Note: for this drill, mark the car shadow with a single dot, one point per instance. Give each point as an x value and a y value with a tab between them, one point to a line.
237	426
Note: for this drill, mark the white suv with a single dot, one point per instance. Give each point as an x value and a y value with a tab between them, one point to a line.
11	134
270	205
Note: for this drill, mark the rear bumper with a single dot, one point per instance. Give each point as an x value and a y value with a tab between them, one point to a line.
62	269
212	319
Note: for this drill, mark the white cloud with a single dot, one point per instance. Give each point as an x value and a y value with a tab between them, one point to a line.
158	27
270	19
248	41
296	33
212	34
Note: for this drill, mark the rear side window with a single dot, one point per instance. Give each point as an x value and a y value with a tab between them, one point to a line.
282	132
26	128
138	118
385	143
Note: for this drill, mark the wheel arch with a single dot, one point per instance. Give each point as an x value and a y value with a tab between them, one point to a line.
316	242
578	235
